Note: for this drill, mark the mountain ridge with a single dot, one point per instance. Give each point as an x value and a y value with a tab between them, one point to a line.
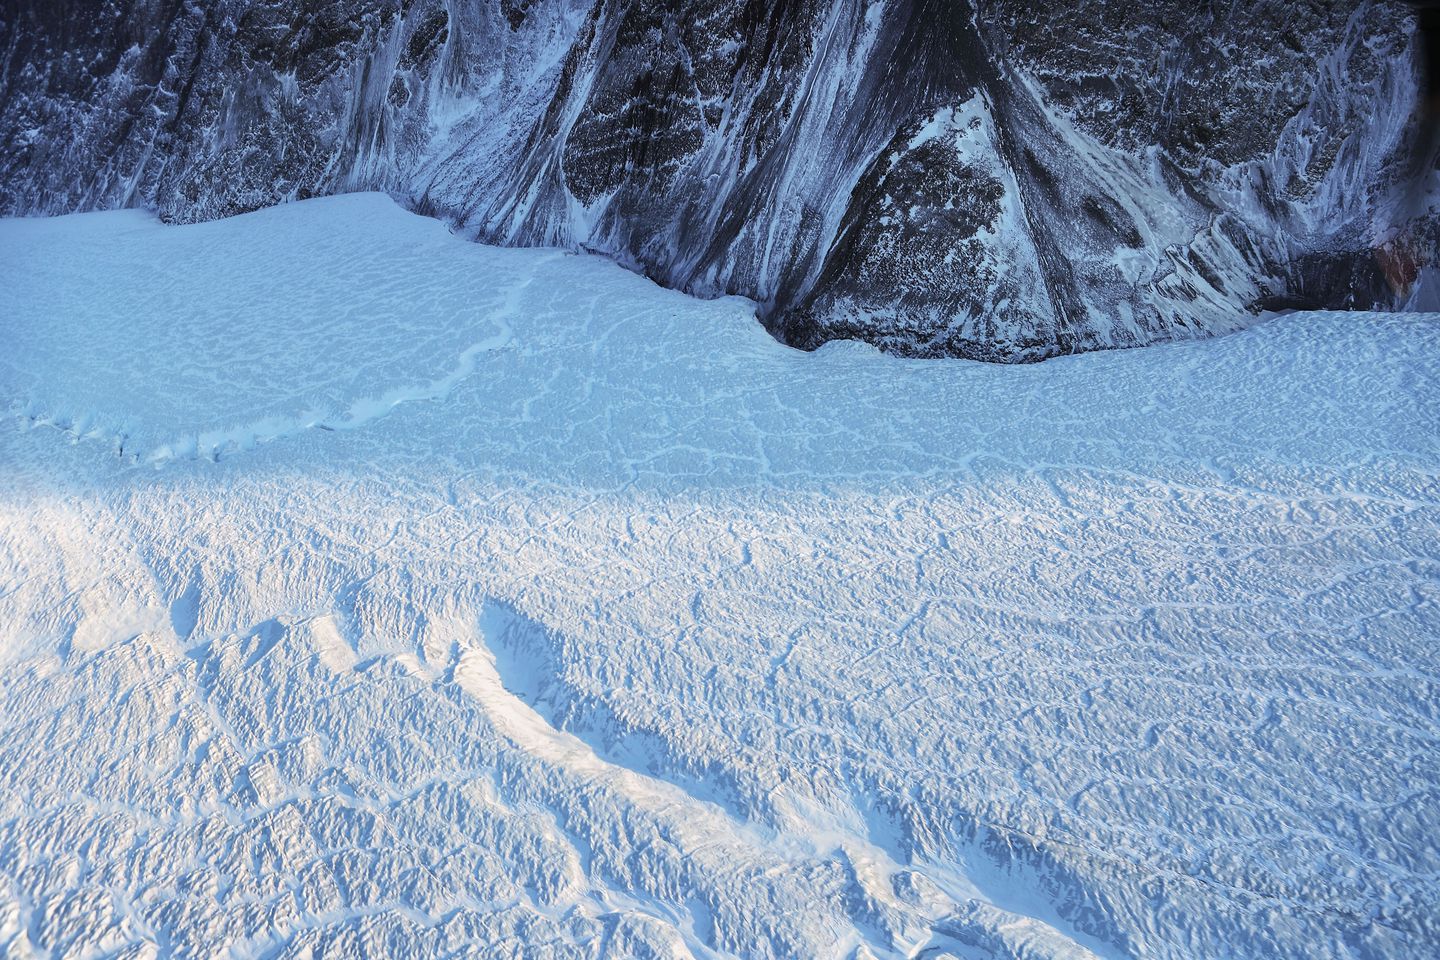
941	179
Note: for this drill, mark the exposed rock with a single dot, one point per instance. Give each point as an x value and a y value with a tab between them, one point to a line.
1001	179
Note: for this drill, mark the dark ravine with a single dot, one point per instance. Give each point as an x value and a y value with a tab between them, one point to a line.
995	178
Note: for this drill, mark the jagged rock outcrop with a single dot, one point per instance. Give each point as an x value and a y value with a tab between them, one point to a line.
995	178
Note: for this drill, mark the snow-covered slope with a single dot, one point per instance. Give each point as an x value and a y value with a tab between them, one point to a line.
992	179
363	590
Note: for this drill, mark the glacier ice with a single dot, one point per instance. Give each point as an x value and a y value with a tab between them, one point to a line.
500	600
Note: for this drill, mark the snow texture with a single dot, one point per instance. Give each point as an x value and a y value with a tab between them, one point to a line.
364	591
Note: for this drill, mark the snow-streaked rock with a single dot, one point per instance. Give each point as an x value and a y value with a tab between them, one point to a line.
612	627
1124	176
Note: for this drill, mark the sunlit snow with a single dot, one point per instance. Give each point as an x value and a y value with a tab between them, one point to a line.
367	591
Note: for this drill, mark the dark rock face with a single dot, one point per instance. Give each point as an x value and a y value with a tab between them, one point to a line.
996	179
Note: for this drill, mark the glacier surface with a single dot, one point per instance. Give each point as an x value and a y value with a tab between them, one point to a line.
364	591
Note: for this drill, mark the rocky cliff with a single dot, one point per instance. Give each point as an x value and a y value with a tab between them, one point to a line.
995	178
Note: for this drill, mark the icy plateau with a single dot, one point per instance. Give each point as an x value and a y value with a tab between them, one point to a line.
366	591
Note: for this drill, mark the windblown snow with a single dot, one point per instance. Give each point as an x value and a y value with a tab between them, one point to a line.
364	591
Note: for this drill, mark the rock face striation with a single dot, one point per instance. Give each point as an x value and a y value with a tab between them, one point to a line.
995	179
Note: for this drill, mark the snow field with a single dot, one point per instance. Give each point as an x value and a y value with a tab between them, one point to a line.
367	591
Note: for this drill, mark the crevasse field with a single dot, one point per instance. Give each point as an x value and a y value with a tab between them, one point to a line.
366	592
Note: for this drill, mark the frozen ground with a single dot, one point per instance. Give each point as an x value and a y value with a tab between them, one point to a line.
367	591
